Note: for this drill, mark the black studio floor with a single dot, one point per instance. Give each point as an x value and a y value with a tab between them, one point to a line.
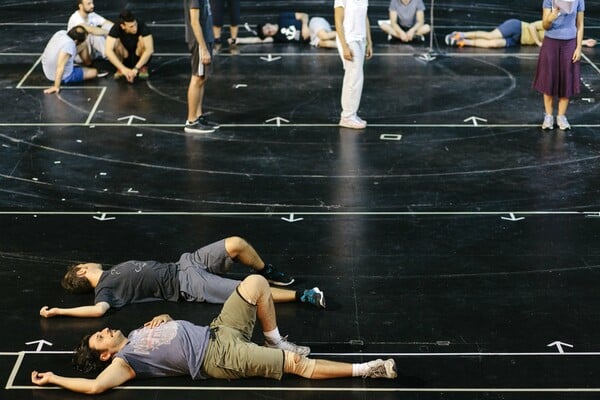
452	234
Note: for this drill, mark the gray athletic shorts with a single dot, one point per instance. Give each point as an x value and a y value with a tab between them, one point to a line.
230	353
315	25
198	279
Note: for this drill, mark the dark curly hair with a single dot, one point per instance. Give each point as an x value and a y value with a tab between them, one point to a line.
86	359
75	284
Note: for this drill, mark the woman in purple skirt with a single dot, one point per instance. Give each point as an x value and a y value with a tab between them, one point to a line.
558	68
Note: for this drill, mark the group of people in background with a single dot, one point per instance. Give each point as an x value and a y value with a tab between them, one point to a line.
128	45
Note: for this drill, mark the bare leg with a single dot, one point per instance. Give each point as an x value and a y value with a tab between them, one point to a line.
217	32
424	29
195	95
548	107
325	369
89	73
233	30
494	34
485	43
240	250
255	290
283	295
563	104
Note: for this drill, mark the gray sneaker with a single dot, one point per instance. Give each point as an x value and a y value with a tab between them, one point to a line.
548	122
562	123
283	344
197	127
381	369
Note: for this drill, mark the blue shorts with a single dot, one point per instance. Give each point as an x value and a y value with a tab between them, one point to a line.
511	32
76	76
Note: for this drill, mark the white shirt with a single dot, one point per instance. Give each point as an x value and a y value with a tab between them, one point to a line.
93	19
355	16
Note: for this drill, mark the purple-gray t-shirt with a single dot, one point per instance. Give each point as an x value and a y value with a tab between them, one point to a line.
138	282
407	12
564	27
172	349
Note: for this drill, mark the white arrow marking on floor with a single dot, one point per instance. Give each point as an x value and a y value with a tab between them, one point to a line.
593	215
40	344
390	136
270	58
278	120
291	218
130	190
559	346
512	217
103	217
475	119
130	118
240	85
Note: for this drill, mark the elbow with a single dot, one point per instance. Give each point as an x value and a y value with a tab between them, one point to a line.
96	389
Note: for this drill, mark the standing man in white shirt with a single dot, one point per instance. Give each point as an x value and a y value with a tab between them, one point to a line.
97	27
355	45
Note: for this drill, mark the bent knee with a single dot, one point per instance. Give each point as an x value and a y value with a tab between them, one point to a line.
234	245
253	288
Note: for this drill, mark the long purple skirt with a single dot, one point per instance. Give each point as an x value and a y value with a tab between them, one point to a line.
556	74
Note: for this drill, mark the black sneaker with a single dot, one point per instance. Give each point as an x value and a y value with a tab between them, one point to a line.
197	127
205	121
275	277
101	73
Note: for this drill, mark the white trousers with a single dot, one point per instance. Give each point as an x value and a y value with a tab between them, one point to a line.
353	77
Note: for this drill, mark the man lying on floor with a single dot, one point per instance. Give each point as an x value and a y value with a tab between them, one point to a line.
164	347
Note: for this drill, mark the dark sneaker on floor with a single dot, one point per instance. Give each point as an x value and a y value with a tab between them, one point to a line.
205	121
283	344
197	127
381	369
276	277
102	74
313	296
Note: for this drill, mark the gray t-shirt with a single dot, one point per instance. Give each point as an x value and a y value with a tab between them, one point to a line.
407	12
171	349
60	41
205	21
138	282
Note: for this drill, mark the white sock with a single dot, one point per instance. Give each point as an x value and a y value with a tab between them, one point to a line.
359	369
273	336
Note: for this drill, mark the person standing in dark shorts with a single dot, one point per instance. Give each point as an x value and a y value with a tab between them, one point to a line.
200	40
558	68
129	46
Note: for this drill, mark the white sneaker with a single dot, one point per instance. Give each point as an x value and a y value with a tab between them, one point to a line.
548	122
353	123
283	344
562	123
381	369
359	119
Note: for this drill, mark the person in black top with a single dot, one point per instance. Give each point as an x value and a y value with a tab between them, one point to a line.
129	46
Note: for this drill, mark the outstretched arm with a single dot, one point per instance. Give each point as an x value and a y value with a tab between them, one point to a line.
115	374
95	311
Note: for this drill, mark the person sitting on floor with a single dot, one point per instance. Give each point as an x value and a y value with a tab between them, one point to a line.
407	21
58	56
223	350
129	46
194	279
